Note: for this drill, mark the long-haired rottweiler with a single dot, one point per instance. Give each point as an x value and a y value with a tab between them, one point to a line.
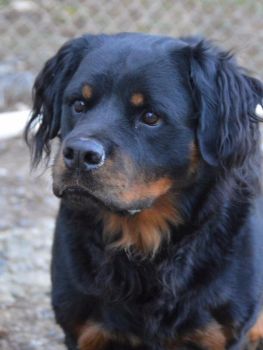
159	237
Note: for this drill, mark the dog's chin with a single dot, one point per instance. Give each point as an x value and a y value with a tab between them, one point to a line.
78	198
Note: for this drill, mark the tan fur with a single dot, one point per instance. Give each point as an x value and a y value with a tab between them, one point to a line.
137	99
256	332
145	230
152	189
212	337
93	337
87	92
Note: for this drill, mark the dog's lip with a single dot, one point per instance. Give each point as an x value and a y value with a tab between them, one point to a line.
75	190
79	191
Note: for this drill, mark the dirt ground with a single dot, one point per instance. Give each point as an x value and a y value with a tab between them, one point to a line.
27	210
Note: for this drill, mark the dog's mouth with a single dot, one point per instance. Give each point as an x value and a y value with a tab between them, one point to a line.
79	197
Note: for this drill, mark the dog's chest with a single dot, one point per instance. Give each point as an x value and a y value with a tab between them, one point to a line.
139	300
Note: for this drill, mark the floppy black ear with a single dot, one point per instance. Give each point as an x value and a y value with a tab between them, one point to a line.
48	89
226	99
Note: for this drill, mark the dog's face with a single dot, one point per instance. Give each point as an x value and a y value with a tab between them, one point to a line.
127	126
137	115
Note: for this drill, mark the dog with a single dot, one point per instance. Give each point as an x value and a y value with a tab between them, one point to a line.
159	237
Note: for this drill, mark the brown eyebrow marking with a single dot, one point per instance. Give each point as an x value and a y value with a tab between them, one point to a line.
137	99
87	91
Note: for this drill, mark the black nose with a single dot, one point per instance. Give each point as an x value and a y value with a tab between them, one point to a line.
83	153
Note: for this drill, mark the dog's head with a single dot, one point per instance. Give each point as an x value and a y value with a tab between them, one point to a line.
138	115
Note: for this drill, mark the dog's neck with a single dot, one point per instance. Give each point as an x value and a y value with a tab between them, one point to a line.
145	230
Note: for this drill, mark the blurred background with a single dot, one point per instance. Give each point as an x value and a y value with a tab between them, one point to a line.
32	31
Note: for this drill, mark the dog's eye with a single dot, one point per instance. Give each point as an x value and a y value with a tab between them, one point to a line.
150	118
79	106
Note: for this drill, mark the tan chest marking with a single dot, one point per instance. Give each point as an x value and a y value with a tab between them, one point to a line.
146	230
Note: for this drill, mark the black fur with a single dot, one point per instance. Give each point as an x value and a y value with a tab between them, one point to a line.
210	271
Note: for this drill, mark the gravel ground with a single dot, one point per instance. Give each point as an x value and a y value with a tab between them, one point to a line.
27	209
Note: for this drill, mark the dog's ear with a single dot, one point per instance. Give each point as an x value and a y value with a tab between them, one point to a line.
48	90
225	99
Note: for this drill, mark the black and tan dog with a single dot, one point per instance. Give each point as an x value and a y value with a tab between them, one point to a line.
159	236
